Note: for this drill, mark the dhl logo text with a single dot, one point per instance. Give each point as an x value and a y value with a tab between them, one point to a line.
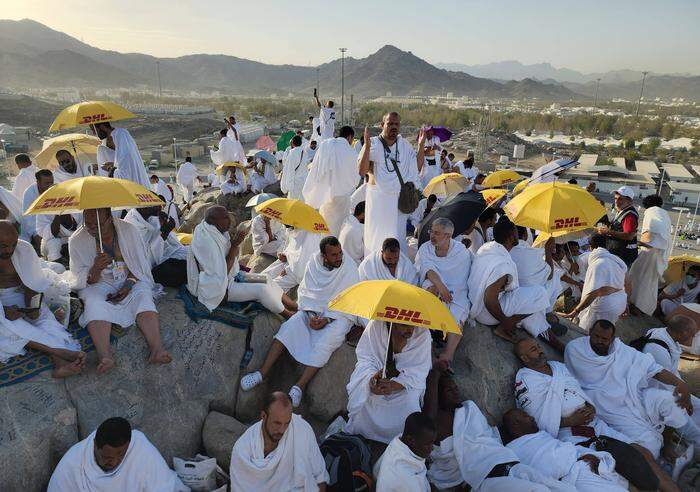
320	227
568	223
397	314
95	118
275	214
61	202
146	198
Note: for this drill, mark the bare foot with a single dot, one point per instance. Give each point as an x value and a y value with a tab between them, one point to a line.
64	369
69	355
500	332
160	356
105	365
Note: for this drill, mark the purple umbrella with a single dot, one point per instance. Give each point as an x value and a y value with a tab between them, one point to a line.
440	132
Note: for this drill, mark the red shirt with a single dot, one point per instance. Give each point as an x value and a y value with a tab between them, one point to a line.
629	223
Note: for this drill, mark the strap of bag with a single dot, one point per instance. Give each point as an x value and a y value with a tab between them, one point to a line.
301	158
393	163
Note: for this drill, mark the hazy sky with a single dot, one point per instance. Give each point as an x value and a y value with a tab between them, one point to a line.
588	35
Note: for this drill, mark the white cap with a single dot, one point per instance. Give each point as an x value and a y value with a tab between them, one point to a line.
625	191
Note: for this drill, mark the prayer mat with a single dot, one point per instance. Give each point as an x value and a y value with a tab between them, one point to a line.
24	367
235	314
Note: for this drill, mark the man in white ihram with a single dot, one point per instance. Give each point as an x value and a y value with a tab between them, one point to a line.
333	178
213	270
314	332
352	233
128	163
295	169
326	118
388	264
380	158
268	237
25	177
114	457
686	290
443	265
230	150
278	453
185	177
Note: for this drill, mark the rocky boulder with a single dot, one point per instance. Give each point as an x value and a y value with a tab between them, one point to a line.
219	434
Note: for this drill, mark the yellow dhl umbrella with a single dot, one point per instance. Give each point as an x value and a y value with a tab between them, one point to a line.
393	301
520	187
76	195
222	168
89	113
294	213
446	185
185	238
501	178
561	237
551	207
678	266
493	195
74	143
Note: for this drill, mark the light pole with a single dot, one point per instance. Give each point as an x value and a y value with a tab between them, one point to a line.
641	92
342	84
175	152
317	79
160	88
680	211
597	84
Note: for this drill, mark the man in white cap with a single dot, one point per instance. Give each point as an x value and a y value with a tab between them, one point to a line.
622	233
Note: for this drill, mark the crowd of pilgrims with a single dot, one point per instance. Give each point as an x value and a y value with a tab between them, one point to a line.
594	422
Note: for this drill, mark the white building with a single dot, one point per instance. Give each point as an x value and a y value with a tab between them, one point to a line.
677	172
647	168
684	193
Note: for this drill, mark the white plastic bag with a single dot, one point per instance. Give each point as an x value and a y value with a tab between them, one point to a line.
198	473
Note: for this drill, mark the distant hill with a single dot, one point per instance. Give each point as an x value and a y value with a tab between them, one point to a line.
34	55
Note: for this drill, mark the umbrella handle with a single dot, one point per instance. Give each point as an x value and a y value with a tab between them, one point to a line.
386	357
80	166
99	230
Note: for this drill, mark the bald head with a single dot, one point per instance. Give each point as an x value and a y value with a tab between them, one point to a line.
218	217
276	416
518	423
682	329
8	239
530	354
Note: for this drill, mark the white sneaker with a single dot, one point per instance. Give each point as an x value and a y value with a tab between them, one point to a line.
250	381
295	395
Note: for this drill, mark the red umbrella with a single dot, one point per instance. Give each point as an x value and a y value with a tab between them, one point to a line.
266	143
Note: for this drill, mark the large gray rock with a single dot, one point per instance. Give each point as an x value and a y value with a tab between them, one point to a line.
194	216
326	395
219	434
38	424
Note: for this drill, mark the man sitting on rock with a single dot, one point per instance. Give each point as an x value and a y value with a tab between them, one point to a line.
388	264
234	184
603	296
269	237
616	378
213	273
313	333
113	276
469	450
380	397
27	321
549	393
402	466
54	231
496	295
683	291
352	234
582	468
279	452
443	264
167	255
114	457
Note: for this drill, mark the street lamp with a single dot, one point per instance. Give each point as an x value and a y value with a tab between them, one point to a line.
597	84
680	211
641	92
175	152
342	84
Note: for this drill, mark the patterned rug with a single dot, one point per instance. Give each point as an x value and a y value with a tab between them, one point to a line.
235	314
24	367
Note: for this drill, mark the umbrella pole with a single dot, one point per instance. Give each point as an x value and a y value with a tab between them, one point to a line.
75	151
386	357
99	230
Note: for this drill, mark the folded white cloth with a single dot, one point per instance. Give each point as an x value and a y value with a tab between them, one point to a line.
400	470
373	268
142	469
296	465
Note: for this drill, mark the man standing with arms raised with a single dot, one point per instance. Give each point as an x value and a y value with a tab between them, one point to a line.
380	158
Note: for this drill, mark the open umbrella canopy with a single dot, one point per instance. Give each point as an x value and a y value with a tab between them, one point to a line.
285	139
75	143
493	195
260	198
185	238
445	185
266	143
561	237
678	266
294	213
551	207
498	179
89	113
223	167
549	170
266	156
462	209
441	132
76	195
394	301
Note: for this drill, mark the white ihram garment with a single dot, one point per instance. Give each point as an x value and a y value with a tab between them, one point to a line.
14	335
295	169
689	296
185	177
351	237
549	398
159	249
381	417
128	162
373	268
604	270
300	247
399	469
560	461
650	265
326	118
24	179
534	270
617	384
473	450
453	270
209	280
490	264
83	249
143	469
319	285
260	239
382	216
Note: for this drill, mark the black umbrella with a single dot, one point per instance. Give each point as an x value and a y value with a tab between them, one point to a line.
462	209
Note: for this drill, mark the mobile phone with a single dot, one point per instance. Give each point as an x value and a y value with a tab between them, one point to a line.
35	301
